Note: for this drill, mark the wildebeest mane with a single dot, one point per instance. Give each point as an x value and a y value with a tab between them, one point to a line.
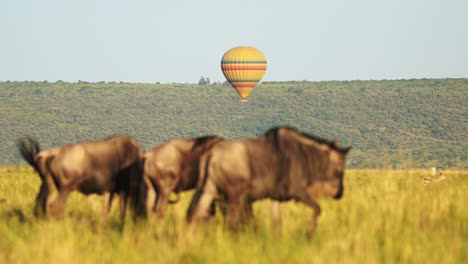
273	136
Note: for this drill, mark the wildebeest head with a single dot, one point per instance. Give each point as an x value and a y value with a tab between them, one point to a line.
320	161
336	167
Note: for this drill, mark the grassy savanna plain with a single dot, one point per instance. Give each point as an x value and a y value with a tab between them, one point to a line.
385	216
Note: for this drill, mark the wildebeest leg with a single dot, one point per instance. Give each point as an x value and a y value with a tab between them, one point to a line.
89	200
237	204
151	195
275	216
40	208
123	205
107	204
222	203
161	198
201	205
161	204
313	224
43	197
247	213
58	205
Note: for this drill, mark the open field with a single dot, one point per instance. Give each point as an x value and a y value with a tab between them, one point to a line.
384	217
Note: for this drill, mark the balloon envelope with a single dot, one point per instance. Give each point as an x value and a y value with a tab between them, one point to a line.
243	67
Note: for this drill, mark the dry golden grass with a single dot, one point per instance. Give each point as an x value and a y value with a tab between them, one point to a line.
384	217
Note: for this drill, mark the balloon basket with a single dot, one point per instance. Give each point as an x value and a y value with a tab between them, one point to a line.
244	100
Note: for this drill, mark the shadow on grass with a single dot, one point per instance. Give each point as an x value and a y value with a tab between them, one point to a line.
97	224
16	214
190	257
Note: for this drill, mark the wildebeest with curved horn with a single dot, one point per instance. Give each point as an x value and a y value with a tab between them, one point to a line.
282	164
173	167
112	165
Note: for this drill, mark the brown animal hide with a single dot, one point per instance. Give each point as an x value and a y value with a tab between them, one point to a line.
112	165
282	164
173	167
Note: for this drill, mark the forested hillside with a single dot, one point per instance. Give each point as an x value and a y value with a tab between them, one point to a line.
390	124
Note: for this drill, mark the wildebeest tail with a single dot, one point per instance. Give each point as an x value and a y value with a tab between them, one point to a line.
193	205
28	148
203	169
138	189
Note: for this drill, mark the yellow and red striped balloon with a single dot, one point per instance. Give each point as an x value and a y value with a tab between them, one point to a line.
243	67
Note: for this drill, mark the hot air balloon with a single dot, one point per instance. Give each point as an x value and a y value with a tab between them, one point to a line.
243	67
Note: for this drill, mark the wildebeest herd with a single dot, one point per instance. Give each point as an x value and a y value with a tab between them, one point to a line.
282	164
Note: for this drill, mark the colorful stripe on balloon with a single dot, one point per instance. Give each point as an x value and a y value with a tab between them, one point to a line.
243	67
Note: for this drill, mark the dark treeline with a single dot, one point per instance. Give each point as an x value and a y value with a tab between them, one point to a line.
391	124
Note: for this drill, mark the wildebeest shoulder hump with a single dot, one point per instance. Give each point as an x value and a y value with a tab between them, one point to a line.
203	140
273	136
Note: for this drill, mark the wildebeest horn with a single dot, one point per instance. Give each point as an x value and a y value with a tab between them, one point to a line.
336	143
345	149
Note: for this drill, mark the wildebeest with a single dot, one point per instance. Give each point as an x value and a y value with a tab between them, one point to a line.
282	164
173	167
112	165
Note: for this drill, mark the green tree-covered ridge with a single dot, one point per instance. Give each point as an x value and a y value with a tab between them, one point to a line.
390	123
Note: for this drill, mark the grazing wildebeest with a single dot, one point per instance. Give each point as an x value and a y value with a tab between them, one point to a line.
282	164
173	167
112	165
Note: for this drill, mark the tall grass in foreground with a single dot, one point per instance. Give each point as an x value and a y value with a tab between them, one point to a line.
384	217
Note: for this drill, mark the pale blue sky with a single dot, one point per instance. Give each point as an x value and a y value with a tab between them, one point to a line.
181	40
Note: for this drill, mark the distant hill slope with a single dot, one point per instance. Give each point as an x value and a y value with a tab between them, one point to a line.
397	124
